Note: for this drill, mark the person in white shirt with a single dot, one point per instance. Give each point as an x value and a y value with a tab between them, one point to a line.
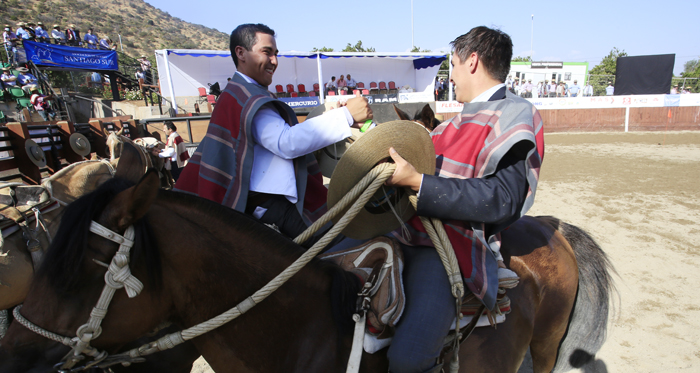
609	90
273	149
331	86
588	90
58	36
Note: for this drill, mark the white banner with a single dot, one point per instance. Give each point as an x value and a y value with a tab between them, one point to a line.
596	102
416	97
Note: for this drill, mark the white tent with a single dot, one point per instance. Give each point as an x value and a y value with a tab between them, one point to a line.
182	71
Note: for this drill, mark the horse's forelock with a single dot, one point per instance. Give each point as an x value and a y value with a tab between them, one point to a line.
63	262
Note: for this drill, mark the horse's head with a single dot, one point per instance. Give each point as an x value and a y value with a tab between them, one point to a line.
425	117
115	143
72	278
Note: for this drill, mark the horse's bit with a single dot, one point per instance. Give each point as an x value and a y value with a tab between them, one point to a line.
118	276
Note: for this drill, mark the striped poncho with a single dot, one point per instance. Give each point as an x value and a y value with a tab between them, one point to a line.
220	168
471	145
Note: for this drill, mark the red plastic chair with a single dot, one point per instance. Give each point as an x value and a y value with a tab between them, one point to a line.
280	90
392	87
382	87
316	87
202	95
360	85
211	99
294	94
312	94
355	92
373	87
365	91
302	88
331	93
290	88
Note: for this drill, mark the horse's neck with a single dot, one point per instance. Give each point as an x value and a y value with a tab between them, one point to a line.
222	261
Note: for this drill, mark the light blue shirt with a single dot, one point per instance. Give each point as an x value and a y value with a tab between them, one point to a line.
91	39
26	78
277	144
23	34
574	89
40	32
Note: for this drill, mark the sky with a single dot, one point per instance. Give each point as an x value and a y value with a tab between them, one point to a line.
555	30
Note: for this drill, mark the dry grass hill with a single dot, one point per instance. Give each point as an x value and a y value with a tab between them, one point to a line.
143	28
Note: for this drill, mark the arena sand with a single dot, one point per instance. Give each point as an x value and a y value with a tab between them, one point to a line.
638	194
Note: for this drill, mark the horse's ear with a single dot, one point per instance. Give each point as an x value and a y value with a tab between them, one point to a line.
427	116
121	130
132	204
402	114
105	131
130	166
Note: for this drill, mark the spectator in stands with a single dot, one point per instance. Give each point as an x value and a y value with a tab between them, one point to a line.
58	36
441	89
588	90
609	90
342	85
146	68
96	79
686	90
527	89
41	34
139	74
674	90
105	43
352	84
22	32
90	39
29	26
509	82
10	40
332	85
26	79
8	80
561	90
552	89
574	89
517	87
41	104
73	36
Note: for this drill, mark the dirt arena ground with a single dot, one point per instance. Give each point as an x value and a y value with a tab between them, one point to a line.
638	194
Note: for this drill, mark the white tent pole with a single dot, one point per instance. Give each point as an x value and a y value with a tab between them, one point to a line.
321	91
449	64
170	80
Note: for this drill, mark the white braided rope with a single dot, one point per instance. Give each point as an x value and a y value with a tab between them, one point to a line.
38	330
3	321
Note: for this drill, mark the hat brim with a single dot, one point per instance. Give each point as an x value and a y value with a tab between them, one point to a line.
329	156
413	143
80	144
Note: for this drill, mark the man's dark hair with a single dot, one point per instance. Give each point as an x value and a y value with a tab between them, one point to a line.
244	36
170	125
494	48
332	77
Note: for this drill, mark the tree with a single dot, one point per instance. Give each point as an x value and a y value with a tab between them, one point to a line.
357	48
324	49
691	69
607	66
417	49
521	59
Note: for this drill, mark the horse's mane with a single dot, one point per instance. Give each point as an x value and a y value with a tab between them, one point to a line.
63	262
344	286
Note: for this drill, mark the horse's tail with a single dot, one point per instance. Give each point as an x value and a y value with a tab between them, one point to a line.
587	327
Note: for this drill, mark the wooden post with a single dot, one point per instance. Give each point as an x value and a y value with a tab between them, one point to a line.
30	173
100	144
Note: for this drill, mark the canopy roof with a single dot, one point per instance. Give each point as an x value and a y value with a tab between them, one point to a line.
182	71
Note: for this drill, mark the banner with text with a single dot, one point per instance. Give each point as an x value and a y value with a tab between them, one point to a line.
596	102
70	57
295	102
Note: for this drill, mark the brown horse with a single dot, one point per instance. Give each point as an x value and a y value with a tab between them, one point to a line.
72	182
199	259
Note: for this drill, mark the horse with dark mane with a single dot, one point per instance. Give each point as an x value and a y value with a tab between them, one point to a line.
198	259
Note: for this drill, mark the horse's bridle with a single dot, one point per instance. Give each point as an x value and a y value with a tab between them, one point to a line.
118	276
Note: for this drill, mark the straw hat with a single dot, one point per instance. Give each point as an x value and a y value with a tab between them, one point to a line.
413	143
56	26
329	156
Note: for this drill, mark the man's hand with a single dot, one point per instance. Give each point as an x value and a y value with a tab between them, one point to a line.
359	109
405	174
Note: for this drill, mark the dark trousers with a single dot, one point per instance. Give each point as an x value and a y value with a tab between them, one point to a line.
175	170
280	212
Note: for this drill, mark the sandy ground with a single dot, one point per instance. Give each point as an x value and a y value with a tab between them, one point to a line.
638	194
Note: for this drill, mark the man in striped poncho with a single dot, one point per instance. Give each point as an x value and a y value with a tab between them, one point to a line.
488	161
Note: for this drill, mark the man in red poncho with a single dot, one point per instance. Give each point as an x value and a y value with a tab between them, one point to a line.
487	165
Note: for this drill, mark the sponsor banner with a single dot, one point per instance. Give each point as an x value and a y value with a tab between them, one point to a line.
546	64
295	102
70	57
448	107
383	98
416	97
595	102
